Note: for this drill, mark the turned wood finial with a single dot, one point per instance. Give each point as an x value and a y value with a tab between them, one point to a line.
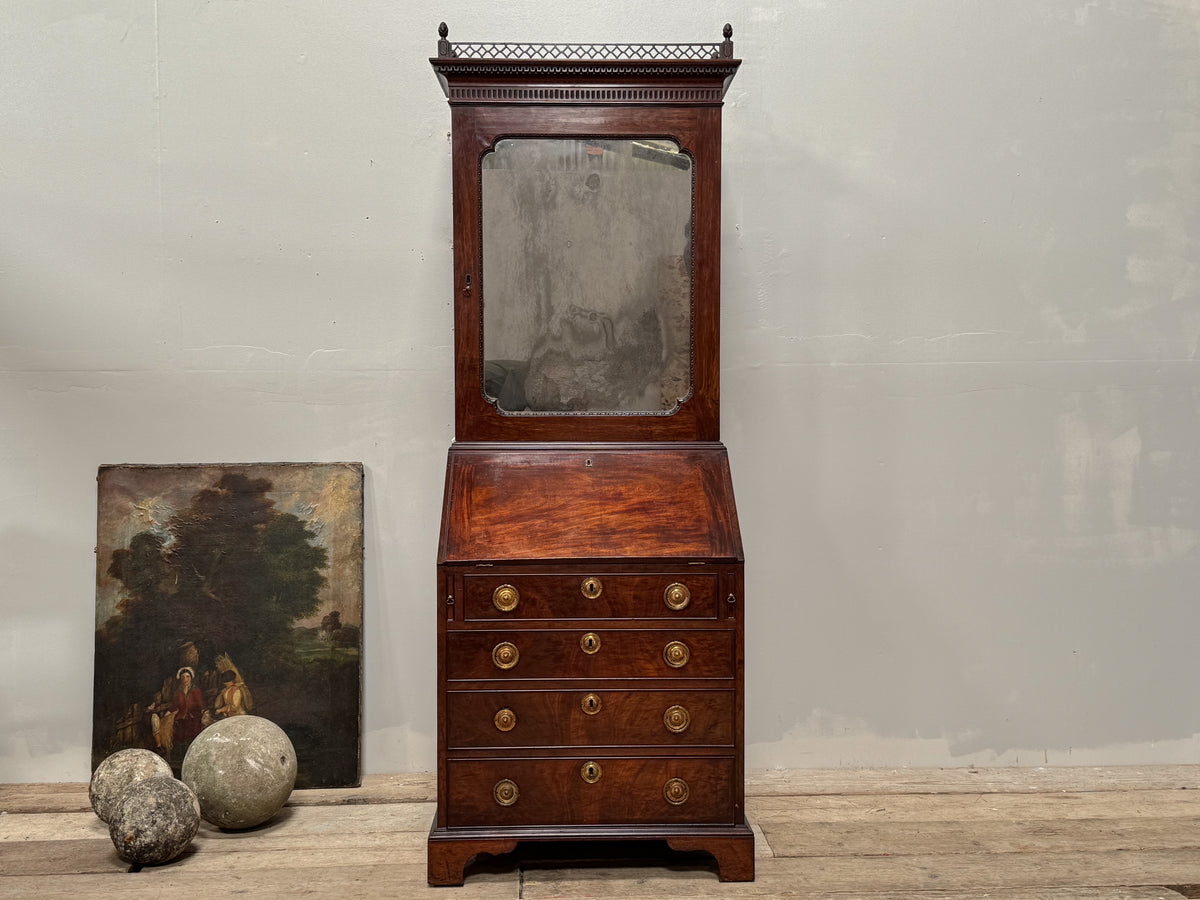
727	46
443	43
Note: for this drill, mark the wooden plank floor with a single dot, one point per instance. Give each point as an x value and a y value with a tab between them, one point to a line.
1124	833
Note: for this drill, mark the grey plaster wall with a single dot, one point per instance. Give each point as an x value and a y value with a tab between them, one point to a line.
960	385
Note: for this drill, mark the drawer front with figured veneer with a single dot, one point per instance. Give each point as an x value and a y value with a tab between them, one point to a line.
593	717
592	653
591	790
589	595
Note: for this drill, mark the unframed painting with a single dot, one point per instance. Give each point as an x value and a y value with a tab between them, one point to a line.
226	590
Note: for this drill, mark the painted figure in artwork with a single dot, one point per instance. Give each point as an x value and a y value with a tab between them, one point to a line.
183	715
234	698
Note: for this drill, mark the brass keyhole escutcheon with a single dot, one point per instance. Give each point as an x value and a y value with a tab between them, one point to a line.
592	587
506	719
677	719
676	791
591	704
591	772
505	655
677	596
505	598
506	792
676	654
590	643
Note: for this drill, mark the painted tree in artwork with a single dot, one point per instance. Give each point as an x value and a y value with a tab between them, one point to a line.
229	573
233	571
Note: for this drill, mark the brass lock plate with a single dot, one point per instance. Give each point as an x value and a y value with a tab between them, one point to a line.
591	704
505	792
505	720
592	587
590	772
590	643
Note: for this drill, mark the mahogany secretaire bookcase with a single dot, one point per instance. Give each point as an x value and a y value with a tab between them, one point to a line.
590	604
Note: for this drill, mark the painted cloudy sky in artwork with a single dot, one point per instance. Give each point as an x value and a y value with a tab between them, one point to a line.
327	496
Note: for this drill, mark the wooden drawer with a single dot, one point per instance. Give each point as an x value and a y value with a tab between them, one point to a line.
562	653
498	719
554	792
574	596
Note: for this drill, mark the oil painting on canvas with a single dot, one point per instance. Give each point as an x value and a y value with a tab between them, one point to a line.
226	590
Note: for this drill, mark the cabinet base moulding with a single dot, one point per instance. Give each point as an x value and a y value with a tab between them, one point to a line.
452	849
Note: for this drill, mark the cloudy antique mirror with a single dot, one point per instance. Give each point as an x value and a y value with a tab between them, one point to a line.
586	276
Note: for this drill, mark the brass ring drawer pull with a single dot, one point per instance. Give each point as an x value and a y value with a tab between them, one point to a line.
506	720
590	704
676	791
677	596
590	643
505	598
505	655
592	587
676	654
590	772
677	719
506	792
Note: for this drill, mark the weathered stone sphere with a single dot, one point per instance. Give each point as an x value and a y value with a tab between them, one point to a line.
119	771
154	820
242	769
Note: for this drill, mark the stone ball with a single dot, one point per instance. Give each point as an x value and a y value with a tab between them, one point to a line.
242	769
154	820
119	771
